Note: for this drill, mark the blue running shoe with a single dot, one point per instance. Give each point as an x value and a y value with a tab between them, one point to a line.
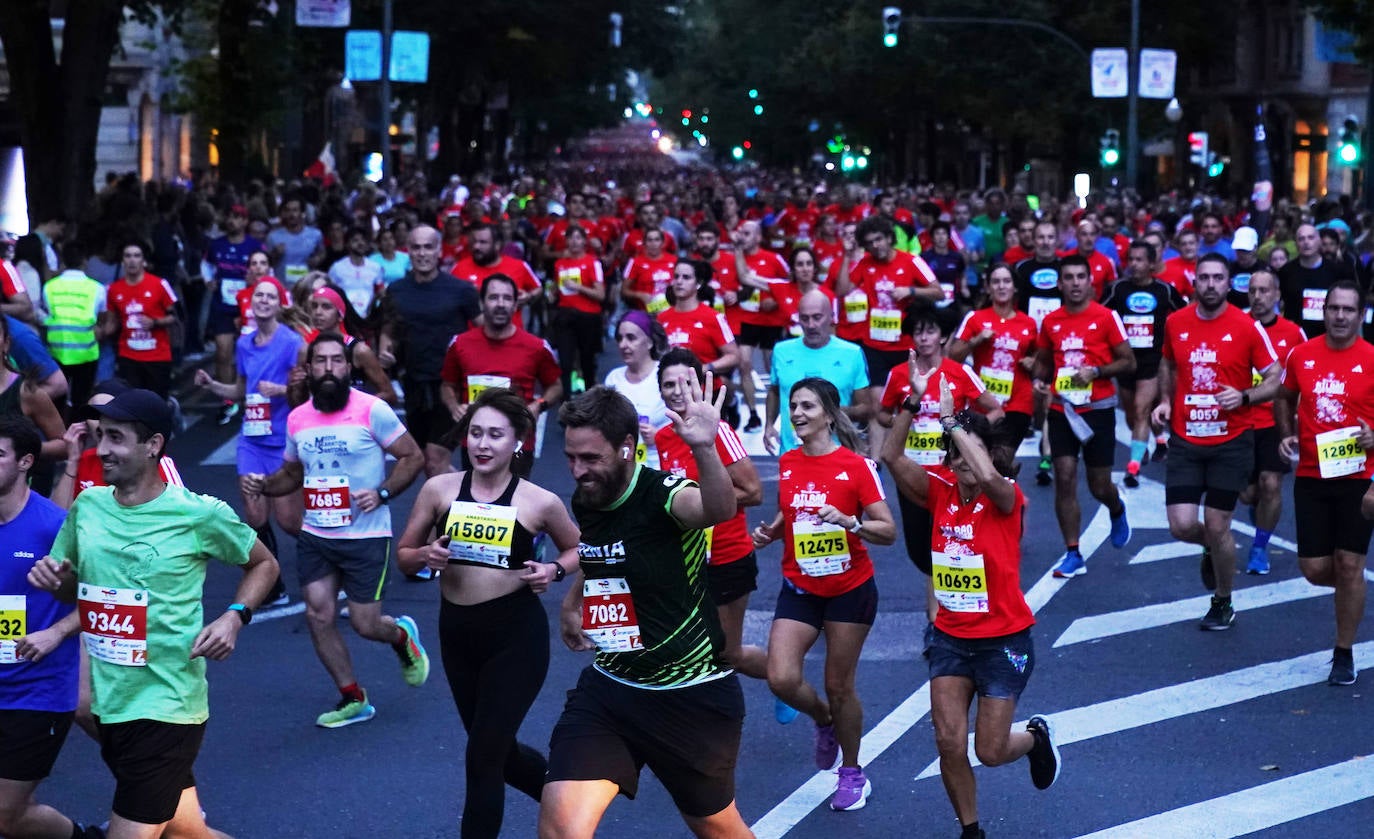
1121	529
782	712
1071	565
1259	560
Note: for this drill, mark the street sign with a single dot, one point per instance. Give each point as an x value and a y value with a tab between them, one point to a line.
1109	76
410	57
332	13
1157	71
363	56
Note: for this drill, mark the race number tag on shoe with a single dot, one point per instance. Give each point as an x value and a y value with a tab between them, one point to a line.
1338	454
961	583
820	549
885	325
998	383
480	533
257	415
13	625
923	442
327	502
477	384
608	615
114	624
1073	392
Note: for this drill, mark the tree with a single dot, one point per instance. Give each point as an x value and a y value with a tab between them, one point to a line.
1353	16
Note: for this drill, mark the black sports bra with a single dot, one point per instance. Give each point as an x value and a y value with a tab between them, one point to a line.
486	534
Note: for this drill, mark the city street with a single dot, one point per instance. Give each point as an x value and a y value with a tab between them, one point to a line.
1165	731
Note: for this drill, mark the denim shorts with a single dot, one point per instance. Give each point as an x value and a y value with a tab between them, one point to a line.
999	667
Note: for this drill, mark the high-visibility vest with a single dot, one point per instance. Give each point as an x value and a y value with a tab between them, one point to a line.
72	298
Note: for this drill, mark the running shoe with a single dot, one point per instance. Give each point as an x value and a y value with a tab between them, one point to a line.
1220	616
1042	473
1161	451
1121	529
782	712
853	789
228	412
414	659
272	602
1132	479
754	424
827	747
1259	560
1342	668
347	712
1071	565
1044	755
424	575
1206	571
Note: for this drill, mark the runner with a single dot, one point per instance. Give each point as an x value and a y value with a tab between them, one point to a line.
648	274
642	343
139	309
576	327
691	322
38	648
1083	345
1002	342
1210	352
147	645
330	311
226	266
1038	294
336	447
478	527
75	303
1143	303
1265	494
732	566
762	321
641	600
264	360
361	278
1324	418
830	502
980	642
21	396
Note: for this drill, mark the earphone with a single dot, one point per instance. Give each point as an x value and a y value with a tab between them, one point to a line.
519	444
625	452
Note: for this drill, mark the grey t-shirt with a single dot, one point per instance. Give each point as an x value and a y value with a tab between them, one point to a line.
299	246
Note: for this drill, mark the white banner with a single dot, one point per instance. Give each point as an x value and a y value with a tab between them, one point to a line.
1157	71
323	13
1109	76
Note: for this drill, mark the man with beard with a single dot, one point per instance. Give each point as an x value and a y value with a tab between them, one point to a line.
133	555
336	447
484	258
641	600
500	354
358	276
1210	351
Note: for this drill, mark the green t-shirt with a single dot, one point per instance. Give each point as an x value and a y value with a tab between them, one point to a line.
140	577
993	244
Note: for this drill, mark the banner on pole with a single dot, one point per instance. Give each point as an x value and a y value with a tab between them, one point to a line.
331	13
1109	76
1157	71
363	56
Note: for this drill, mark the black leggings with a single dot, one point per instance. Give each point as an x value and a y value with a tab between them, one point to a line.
576	335
496	655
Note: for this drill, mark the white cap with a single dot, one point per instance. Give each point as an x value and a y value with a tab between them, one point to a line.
1245	239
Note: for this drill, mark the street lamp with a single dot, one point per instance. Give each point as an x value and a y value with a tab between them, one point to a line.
1173	111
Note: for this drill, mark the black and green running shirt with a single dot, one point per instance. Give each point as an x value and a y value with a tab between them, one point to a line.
645	602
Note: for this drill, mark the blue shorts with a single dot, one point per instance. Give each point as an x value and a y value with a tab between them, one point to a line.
221	319
255	458
858	605
999	667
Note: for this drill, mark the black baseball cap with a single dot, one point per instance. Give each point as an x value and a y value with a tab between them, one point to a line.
138	405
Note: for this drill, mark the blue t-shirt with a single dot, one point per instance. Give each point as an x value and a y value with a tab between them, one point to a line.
392	269
1222	247
973	241
29	352
230	262
50	684
271	362
838	362
297	248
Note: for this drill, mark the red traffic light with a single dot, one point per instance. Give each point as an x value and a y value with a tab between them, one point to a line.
1197	140
747	144
686	113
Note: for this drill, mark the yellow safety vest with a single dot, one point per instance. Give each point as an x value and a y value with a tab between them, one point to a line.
72	298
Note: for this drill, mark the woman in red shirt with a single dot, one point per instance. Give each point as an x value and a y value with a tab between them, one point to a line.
577	320
980	641
830	501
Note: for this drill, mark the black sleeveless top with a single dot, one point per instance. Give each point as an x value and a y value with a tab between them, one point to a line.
486	534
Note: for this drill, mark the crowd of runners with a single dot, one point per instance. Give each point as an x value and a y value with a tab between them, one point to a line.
366	342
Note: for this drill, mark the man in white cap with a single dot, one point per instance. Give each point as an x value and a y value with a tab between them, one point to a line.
1246	263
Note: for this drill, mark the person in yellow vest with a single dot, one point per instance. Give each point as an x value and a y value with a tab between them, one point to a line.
74	302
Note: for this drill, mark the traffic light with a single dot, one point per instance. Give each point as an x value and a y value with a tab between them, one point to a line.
1216	164
1111	148
1348	151
737	153
1197	148
892	24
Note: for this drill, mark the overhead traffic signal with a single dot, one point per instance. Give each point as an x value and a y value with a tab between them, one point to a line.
737	152
1110	154
1348	151
892	25
1216	164
1197	148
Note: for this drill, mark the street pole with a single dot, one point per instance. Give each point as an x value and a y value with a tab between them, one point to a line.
1366	143
386	91
1132	101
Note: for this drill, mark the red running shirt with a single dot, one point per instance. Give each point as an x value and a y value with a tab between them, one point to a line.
517	269
923	437
1208	355
1284	337
1079	340
584	271
650	276
879	280
150	297
726	542
1335	391
832	560
768	266
475	362
997	361
702	330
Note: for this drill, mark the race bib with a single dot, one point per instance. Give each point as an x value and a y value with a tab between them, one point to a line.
749	302
1338	455
229	291
570	279
295	272
855	307
961	582
1313	303
1066	387
659	303
608	615
1204	416
923	442
477	384
327	502
1038	307
114	624
820	549
13	625
948	289
257	415
885	325
1140	331
480	533
998	382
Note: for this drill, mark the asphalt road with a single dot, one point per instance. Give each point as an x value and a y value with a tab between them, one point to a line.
1165	731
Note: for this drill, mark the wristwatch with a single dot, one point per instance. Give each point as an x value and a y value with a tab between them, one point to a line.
245	613
858	525
913	407
383	494
558	573
1245	397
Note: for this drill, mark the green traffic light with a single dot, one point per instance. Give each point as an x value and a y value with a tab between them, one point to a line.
1110	157
847	163
737	153
890	40
753	93
1215	170
758	110
1348	153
